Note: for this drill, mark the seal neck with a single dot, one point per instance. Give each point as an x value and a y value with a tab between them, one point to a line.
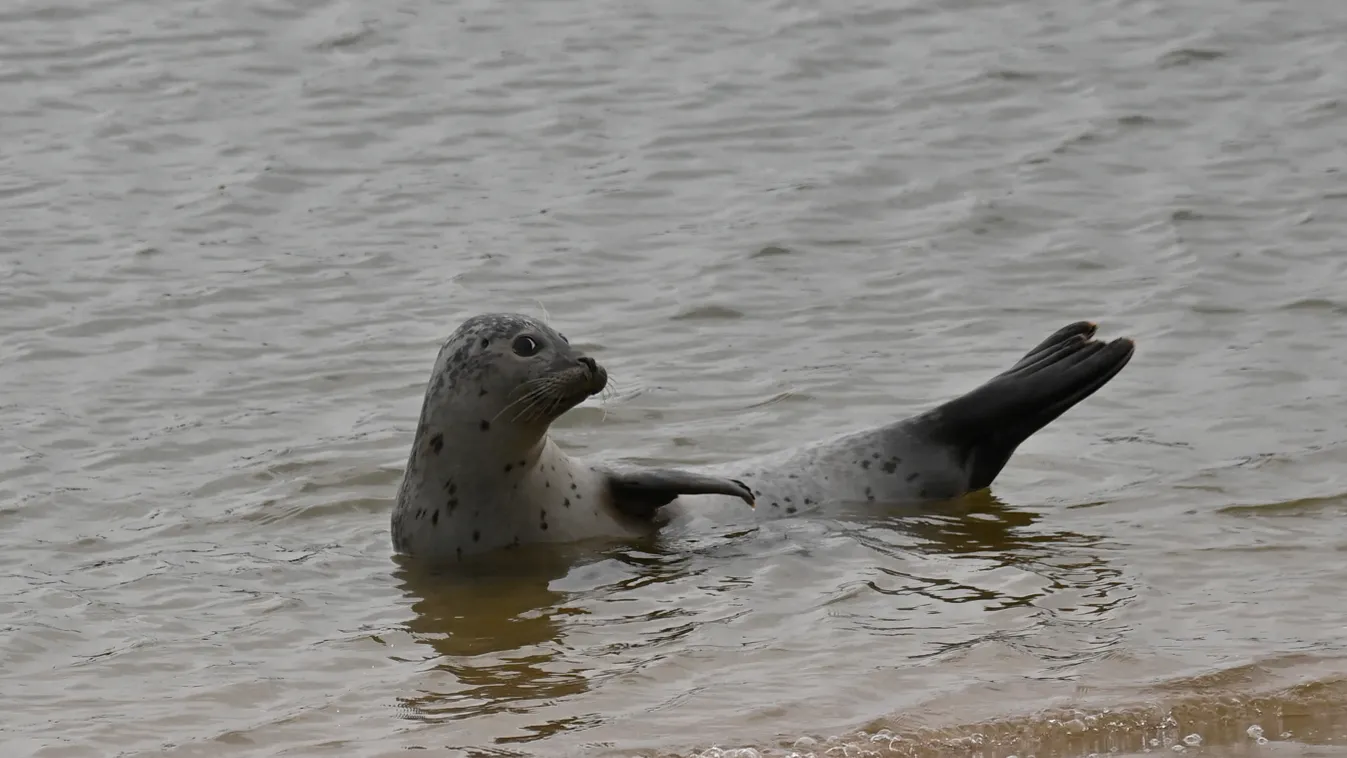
476	451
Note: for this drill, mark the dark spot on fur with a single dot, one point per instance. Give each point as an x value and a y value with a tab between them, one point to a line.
757	493
485	425
578	496
865	464
875	456
485	342
807	501
791	509
481	392
547	483
788	500
776	505
543	525
542	514
566	502
508	467
522	462
476	536
453	504
890	467
912	477
437	443
572	485
792	476
435	518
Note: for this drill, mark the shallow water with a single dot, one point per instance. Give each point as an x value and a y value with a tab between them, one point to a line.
234	234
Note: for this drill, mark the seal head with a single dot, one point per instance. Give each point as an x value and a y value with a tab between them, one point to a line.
514	373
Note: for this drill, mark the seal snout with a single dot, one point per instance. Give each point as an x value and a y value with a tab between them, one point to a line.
596	374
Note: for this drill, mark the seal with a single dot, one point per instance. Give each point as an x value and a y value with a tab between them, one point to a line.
484	473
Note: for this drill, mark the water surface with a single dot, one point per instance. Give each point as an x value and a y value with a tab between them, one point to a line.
233	234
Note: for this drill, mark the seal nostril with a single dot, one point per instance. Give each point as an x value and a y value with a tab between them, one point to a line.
589	363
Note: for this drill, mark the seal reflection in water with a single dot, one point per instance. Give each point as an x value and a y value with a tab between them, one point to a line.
483	472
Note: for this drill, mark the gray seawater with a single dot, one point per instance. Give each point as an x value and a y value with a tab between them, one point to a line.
232	235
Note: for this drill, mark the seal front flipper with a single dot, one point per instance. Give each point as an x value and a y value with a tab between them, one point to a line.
640	492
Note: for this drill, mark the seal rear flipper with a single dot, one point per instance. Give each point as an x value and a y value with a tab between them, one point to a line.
639	493
986	425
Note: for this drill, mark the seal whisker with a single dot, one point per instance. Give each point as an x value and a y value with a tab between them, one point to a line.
512	404
529	405
547	317
557	400
531	391
534	409
527	387
530	412
607	395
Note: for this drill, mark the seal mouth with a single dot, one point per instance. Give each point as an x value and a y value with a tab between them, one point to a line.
547	397
598	379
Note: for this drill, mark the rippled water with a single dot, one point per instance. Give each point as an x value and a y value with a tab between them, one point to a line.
234	234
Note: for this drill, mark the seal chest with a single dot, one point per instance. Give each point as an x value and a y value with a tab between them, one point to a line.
542	496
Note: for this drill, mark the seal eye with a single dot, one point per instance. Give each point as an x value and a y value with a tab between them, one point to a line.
526	346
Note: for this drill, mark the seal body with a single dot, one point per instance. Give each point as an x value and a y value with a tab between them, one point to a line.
483	472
